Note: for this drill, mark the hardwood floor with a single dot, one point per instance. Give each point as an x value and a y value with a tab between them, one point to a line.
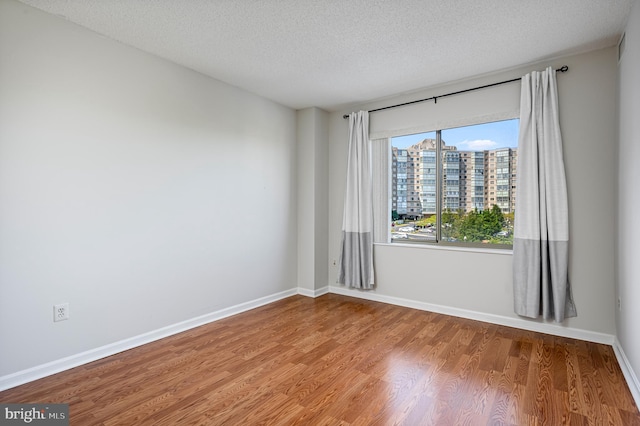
336	360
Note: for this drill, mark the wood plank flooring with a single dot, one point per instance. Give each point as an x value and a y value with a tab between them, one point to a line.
336	360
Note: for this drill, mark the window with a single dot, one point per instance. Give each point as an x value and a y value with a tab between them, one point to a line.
456	202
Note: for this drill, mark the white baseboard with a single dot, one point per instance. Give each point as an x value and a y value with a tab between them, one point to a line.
627	371
53	367
313	293
523	324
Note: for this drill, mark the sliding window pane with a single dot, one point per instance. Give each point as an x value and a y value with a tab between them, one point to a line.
478	182
413	188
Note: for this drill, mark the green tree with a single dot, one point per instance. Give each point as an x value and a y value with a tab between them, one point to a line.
493	221
471	226
476	226
450	222
509	218
426	221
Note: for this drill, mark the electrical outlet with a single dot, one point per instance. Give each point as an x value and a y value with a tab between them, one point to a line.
60	312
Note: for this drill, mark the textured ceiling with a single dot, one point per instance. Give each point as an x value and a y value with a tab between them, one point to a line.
330	53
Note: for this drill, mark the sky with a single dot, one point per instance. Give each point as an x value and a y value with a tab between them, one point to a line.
499	134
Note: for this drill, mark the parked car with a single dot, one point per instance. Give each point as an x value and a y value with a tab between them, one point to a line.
407	229
399	236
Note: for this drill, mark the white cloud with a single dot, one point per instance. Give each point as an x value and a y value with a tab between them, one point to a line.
479	144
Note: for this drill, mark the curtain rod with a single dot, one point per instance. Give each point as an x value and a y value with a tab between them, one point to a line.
563	68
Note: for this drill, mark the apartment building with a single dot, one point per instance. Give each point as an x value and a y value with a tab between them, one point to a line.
470	179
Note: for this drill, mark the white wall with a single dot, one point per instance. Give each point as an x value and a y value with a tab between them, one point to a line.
628	318
313	151
481	282
140	192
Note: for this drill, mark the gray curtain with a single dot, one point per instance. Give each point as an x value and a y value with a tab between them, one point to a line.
356	258
541	235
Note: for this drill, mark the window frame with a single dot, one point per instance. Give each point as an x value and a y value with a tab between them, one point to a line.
439	166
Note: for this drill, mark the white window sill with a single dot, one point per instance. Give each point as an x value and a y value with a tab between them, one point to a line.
449	248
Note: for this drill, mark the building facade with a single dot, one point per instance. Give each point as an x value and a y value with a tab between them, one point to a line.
470	179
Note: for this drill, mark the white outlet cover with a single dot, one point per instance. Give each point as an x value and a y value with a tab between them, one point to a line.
60	312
